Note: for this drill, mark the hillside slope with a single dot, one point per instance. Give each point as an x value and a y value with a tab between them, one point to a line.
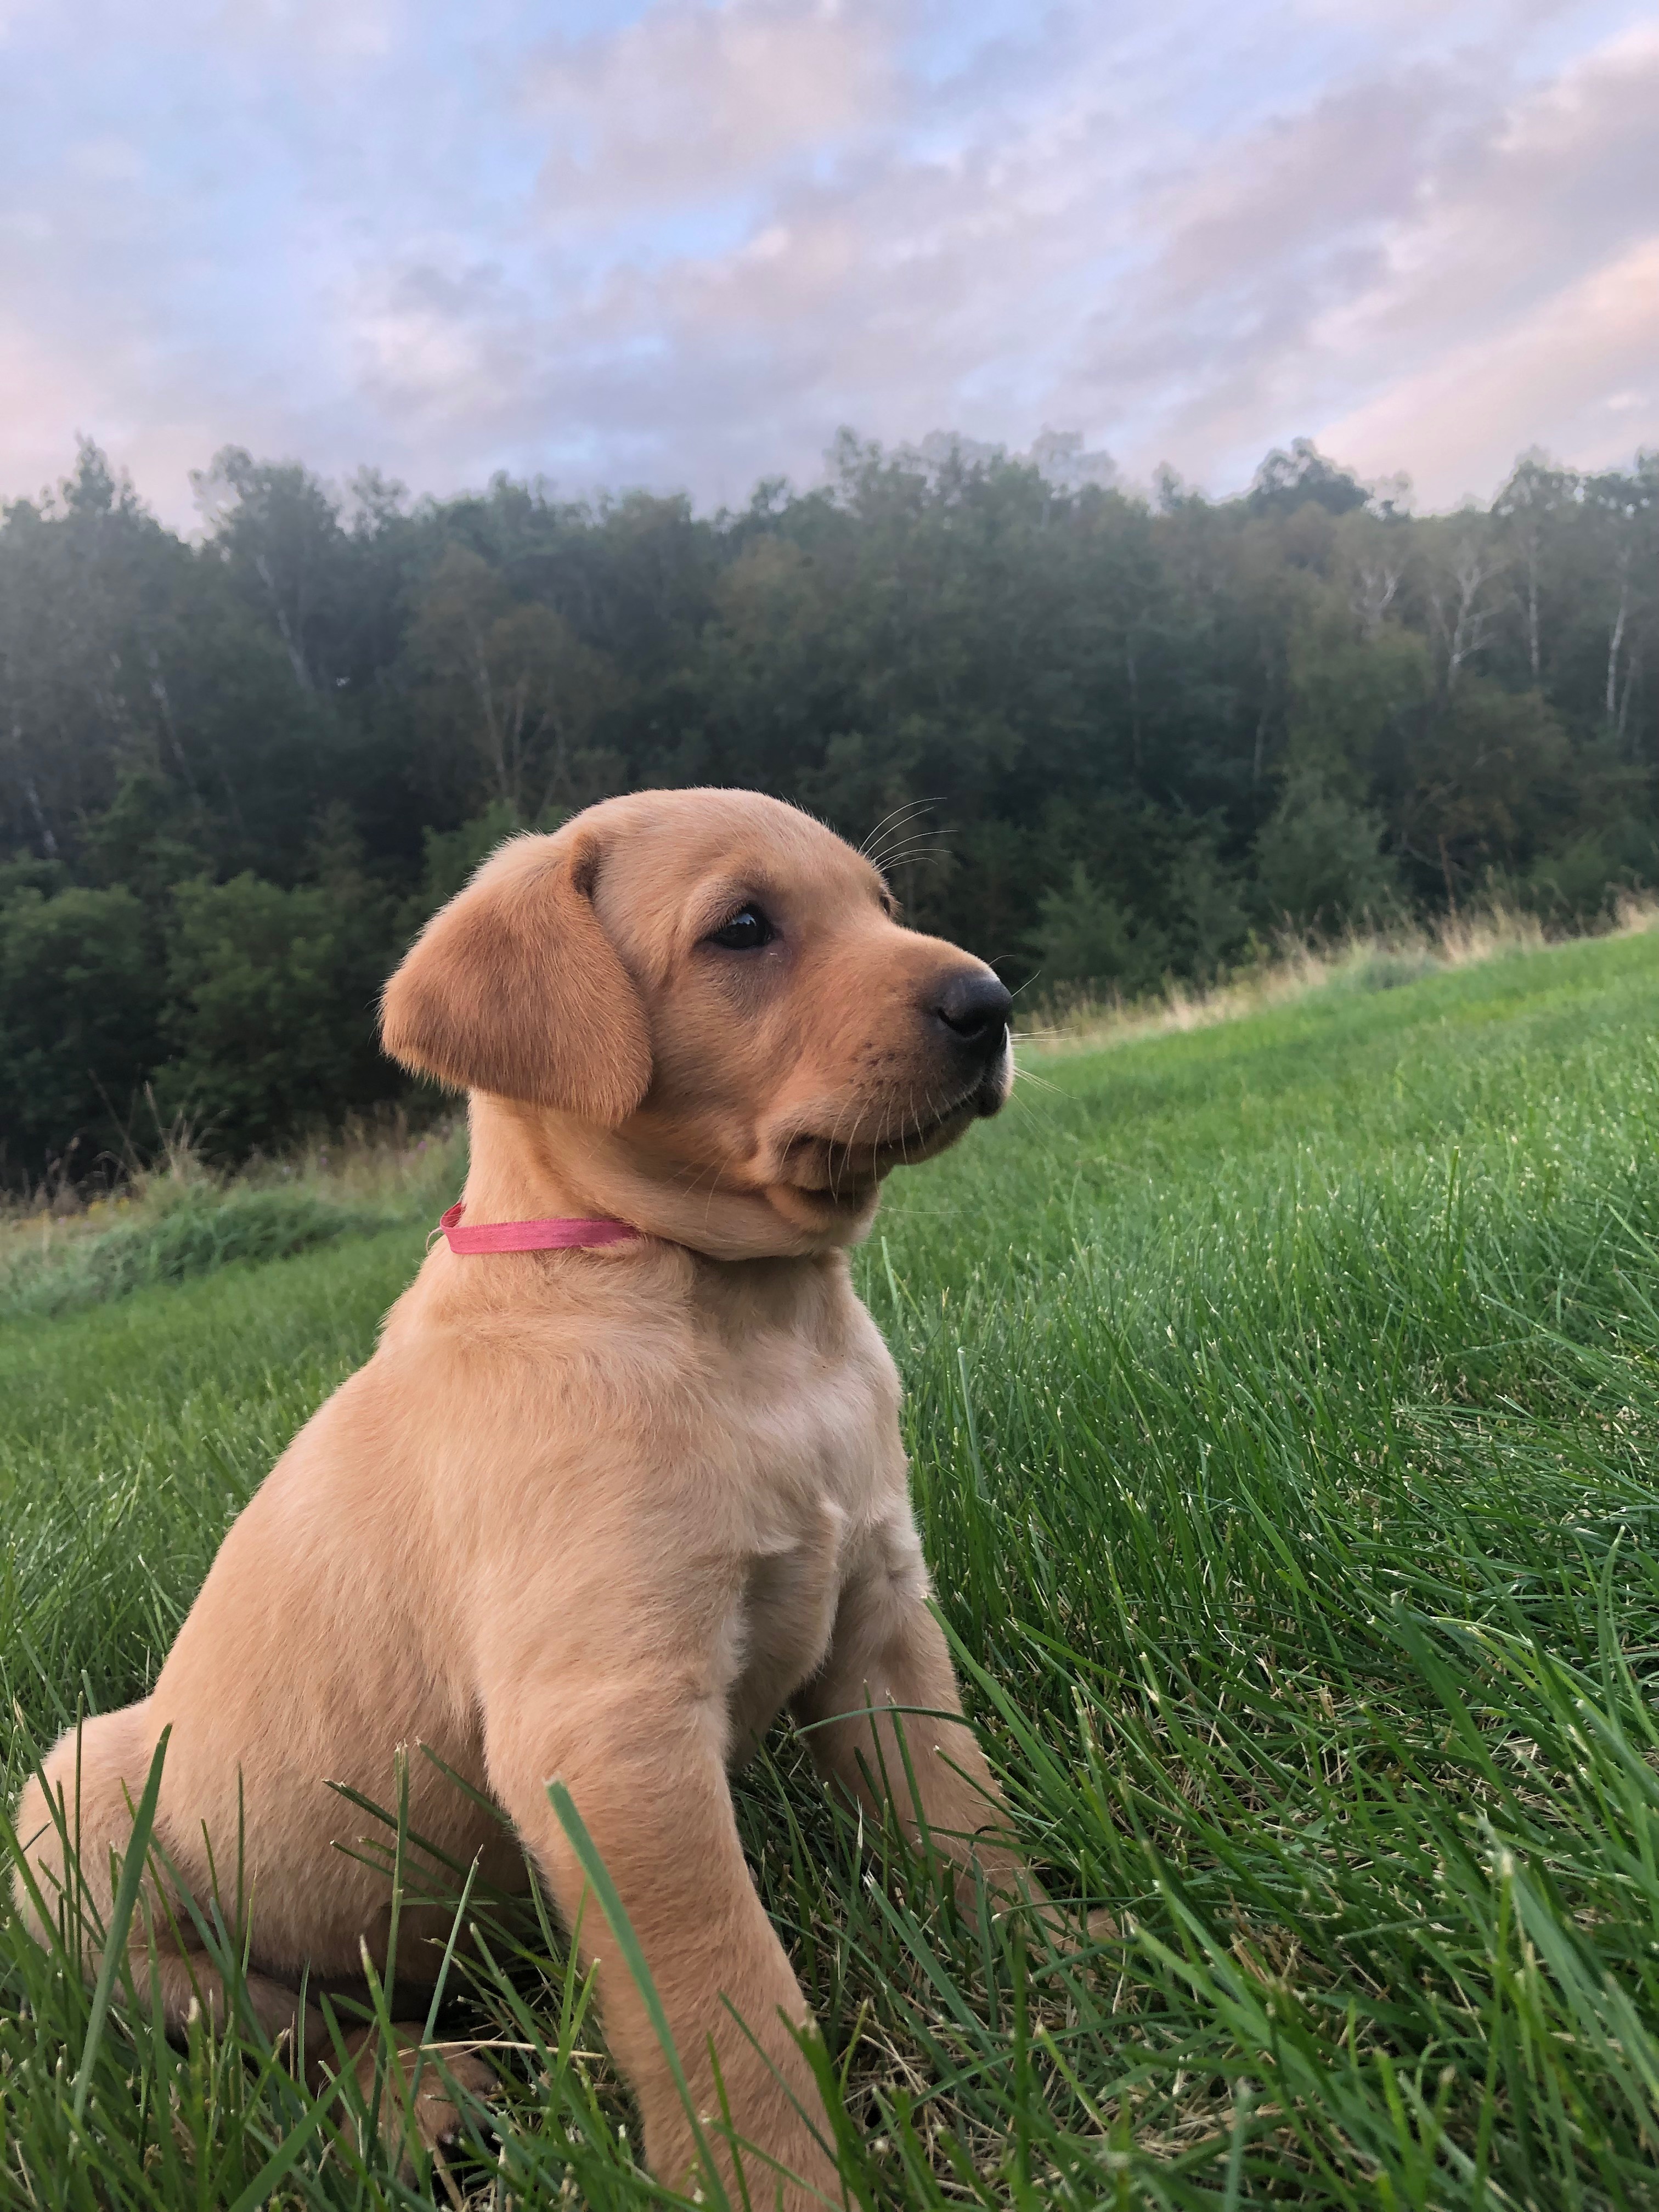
1284	1405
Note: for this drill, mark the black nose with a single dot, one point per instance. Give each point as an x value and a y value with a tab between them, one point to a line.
974	1005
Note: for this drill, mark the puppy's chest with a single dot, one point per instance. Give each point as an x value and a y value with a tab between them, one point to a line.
816	1427
817	1437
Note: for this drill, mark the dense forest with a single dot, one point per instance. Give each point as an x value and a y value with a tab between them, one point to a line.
1131	736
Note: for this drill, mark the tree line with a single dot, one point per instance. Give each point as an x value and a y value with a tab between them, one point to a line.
1113	739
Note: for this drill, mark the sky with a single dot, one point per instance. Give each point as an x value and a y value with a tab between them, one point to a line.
678	244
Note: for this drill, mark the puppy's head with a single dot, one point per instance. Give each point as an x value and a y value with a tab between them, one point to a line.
723	983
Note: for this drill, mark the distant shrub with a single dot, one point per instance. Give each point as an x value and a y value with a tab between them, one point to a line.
1584	879
1209	923
1086	937
273	1009
1319	859
197	1233
80	994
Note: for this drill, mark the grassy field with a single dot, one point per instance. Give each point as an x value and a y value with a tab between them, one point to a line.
1283	1404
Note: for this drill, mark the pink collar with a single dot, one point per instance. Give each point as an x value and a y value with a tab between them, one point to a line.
551	1236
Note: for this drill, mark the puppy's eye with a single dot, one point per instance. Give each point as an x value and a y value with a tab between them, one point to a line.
746	931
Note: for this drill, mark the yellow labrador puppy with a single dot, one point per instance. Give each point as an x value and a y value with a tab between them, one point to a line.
623	1478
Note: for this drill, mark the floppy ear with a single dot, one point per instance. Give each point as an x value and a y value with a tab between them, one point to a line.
515	989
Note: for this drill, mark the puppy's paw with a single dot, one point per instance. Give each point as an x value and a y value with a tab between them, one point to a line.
439	2122
1071	1934
419	2106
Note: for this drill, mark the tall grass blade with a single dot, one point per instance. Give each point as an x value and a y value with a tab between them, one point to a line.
120	1920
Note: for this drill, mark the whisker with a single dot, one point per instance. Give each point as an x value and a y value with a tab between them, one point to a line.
847	1106
921	849
912	826
910	808
910	834
883	857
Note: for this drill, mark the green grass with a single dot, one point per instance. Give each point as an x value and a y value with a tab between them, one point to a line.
1284	1400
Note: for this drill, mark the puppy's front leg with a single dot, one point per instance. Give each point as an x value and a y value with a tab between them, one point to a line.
643	1762
885	1716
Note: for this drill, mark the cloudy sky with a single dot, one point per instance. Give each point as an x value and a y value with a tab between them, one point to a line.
677	243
